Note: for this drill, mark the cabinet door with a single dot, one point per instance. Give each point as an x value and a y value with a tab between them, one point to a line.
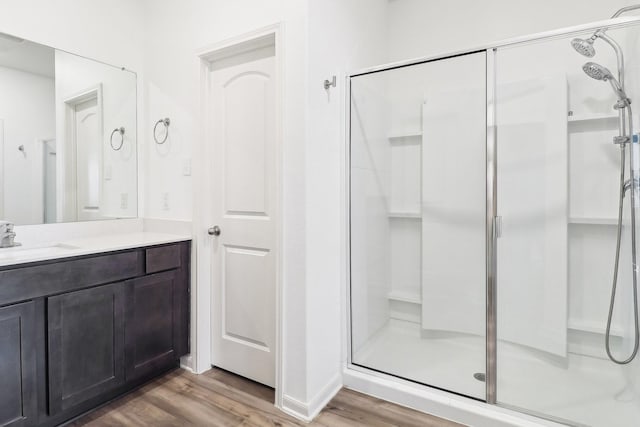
86	345
17	365
152	313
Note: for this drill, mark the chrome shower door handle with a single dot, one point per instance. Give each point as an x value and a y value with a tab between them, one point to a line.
214	231
497	226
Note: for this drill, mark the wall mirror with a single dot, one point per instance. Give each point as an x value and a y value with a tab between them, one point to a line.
68	147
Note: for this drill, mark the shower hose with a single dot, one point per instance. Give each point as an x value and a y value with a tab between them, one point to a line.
633	248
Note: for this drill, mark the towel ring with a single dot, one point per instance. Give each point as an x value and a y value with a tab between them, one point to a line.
120	130
166	122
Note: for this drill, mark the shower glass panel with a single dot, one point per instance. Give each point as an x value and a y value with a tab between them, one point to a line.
418	222
558	178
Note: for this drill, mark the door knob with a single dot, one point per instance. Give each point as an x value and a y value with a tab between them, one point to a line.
214	231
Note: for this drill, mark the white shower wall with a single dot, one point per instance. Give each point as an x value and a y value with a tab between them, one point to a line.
558	200
593	163
371	251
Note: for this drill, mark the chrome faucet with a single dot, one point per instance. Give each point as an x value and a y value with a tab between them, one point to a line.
7	235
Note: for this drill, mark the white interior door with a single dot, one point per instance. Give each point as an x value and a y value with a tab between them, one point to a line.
244	204
89	159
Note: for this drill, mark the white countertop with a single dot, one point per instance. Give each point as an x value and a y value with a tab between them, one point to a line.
84	246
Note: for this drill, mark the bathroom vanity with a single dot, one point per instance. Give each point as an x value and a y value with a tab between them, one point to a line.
91	317
95	320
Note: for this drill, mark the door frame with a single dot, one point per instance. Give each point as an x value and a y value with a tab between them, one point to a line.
202	297
68	201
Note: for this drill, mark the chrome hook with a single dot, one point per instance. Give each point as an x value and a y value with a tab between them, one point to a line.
332	83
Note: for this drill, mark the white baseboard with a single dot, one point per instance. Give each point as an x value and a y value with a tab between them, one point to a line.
186	362
295	408
320	400
307	411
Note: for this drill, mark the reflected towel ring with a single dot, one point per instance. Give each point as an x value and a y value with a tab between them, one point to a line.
121	131
166	122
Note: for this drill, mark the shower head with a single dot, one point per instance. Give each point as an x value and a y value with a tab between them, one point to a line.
584	47
597	71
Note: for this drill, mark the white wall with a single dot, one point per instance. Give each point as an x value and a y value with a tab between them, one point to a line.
108	31
343	36
176	31
420	28
27	108
312	151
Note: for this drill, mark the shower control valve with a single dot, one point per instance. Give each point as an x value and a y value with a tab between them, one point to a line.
621	139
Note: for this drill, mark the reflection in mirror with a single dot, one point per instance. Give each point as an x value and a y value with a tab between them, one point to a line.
61	158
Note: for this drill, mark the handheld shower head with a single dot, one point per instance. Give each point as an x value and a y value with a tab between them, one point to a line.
584	47
599	72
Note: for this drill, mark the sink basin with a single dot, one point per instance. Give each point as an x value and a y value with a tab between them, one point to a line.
25	252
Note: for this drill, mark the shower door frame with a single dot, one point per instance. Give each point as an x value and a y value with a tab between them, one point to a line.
491	211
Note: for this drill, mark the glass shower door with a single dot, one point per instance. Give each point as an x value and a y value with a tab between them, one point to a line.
418	222
558	174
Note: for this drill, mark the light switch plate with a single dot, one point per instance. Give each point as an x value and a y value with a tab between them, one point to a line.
124	200
165	201
186	167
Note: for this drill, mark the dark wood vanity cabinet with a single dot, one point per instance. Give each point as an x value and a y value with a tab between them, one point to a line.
88	329
18	397
151	317
85	345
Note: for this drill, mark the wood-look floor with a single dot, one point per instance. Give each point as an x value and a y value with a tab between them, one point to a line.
219	398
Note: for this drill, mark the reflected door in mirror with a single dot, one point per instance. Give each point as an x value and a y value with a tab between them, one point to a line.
86	138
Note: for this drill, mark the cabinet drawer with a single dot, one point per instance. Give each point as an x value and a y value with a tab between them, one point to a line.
68	275
163	258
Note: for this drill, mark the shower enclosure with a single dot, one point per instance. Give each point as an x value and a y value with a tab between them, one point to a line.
485	189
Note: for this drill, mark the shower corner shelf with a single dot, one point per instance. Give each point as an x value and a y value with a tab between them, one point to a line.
407	215
410	297
394	136
579	118
593	327
593	220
